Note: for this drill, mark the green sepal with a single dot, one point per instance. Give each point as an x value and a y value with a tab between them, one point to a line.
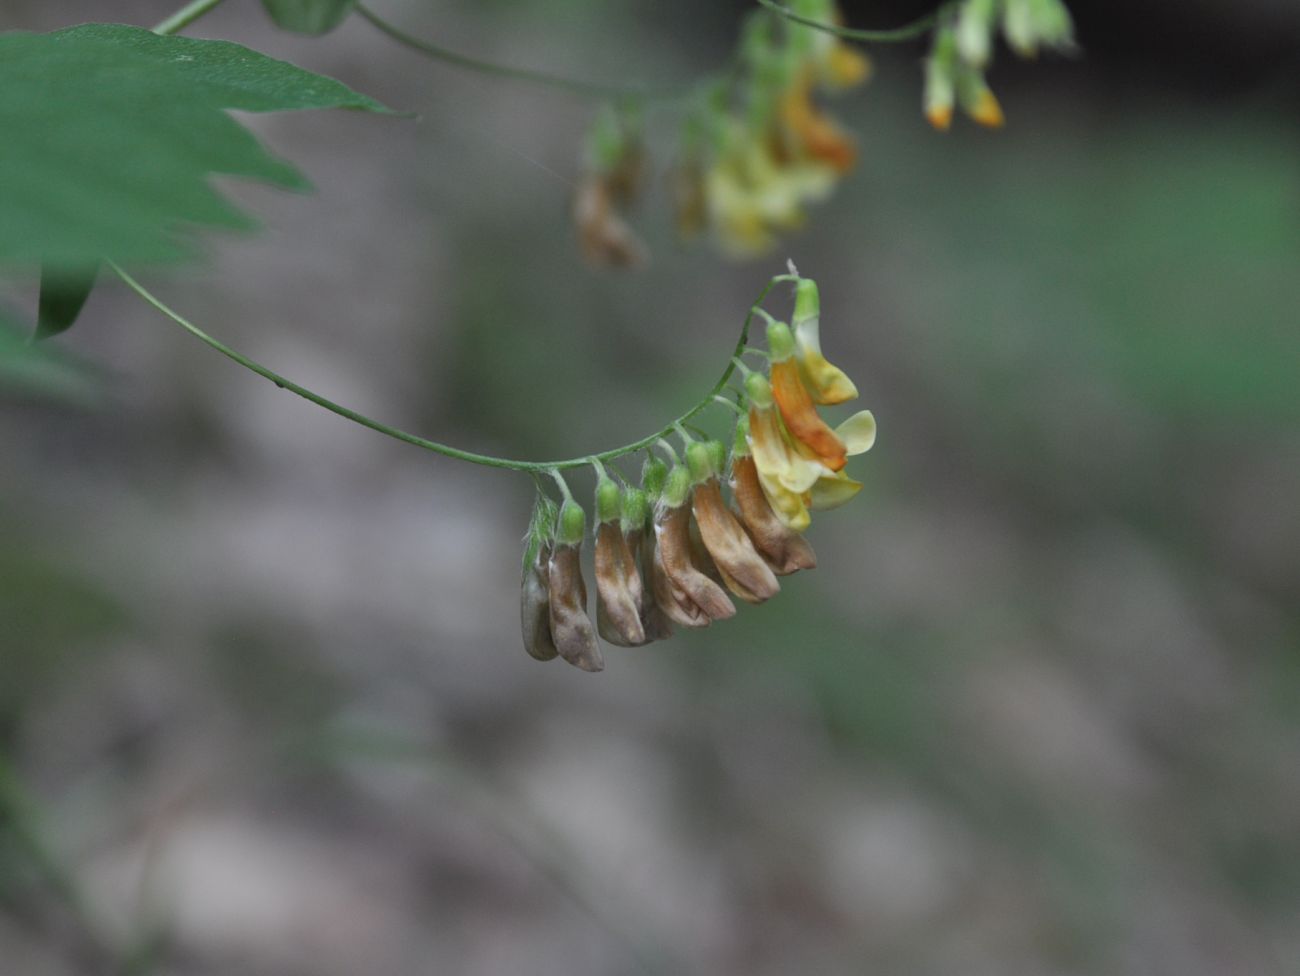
609	502
759	390
636	509
678	487
740	447
653	477
807	301
780	341
541	528
699	462
571	525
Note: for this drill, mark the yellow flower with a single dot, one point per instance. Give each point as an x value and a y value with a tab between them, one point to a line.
827	384
785	550
752	194
809	133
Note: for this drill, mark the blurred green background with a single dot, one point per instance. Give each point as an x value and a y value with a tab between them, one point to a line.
263	707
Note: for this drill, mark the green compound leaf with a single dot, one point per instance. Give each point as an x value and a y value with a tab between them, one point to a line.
63	294
111	134
309	16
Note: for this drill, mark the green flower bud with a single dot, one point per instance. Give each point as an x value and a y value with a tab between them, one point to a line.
807	301
717	455
653	476
700	462
636	509
571	525
678	486
780	341
759	390
608	500
975	31
740	448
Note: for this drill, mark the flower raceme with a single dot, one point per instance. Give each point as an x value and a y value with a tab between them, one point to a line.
673	550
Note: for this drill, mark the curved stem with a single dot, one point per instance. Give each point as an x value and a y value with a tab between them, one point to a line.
187	15
905	33
577	86
445	449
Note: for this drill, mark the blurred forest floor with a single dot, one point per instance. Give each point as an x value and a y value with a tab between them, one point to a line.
263	707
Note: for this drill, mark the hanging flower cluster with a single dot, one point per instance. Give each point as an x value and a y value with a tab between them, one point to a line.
672	551
752	164
963	49
756	146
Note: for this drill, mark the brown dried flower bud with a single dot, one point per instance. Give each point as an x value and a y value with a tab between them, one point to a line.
686	595
535	608
571	629
618	589
606	239
654	620
742	569
785	550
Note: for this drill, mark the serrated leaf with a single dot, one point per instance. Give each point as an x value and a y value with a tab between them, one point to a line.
111	135
309	16
63	295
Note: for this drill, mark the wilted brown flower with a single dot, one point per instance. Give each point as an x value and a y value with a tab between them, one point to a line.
535	608
619	590
605	237
742	569
785	550
686	595
654	620
571	629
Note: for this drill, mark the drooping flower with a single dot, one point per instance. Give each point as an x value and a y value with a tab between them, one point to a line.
785	550
807	132
794	477
753	194
535	606
641	543
826	384
684	593
742	569
604	236
796	403
613	178
571	628
618	580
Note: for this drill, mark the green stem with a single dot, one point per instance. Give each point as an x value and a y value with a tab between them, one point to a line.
444	449
187	15
905	33
577	86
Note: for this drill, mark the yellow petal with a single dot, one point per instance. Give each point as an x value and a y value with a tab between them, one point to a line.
844	67
827	384
832	491
788	505
858	432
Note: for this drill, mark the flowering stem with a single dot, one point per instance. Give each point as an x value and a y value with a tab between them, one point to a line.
905	33
187	15
577	86
445	449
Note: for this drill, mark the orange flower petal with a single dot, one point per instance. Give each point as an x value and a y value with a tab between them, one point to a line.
801	417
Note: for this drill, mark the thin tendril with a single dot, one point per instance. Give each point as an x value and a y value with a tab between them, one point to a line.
453	452
577	86
905	33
